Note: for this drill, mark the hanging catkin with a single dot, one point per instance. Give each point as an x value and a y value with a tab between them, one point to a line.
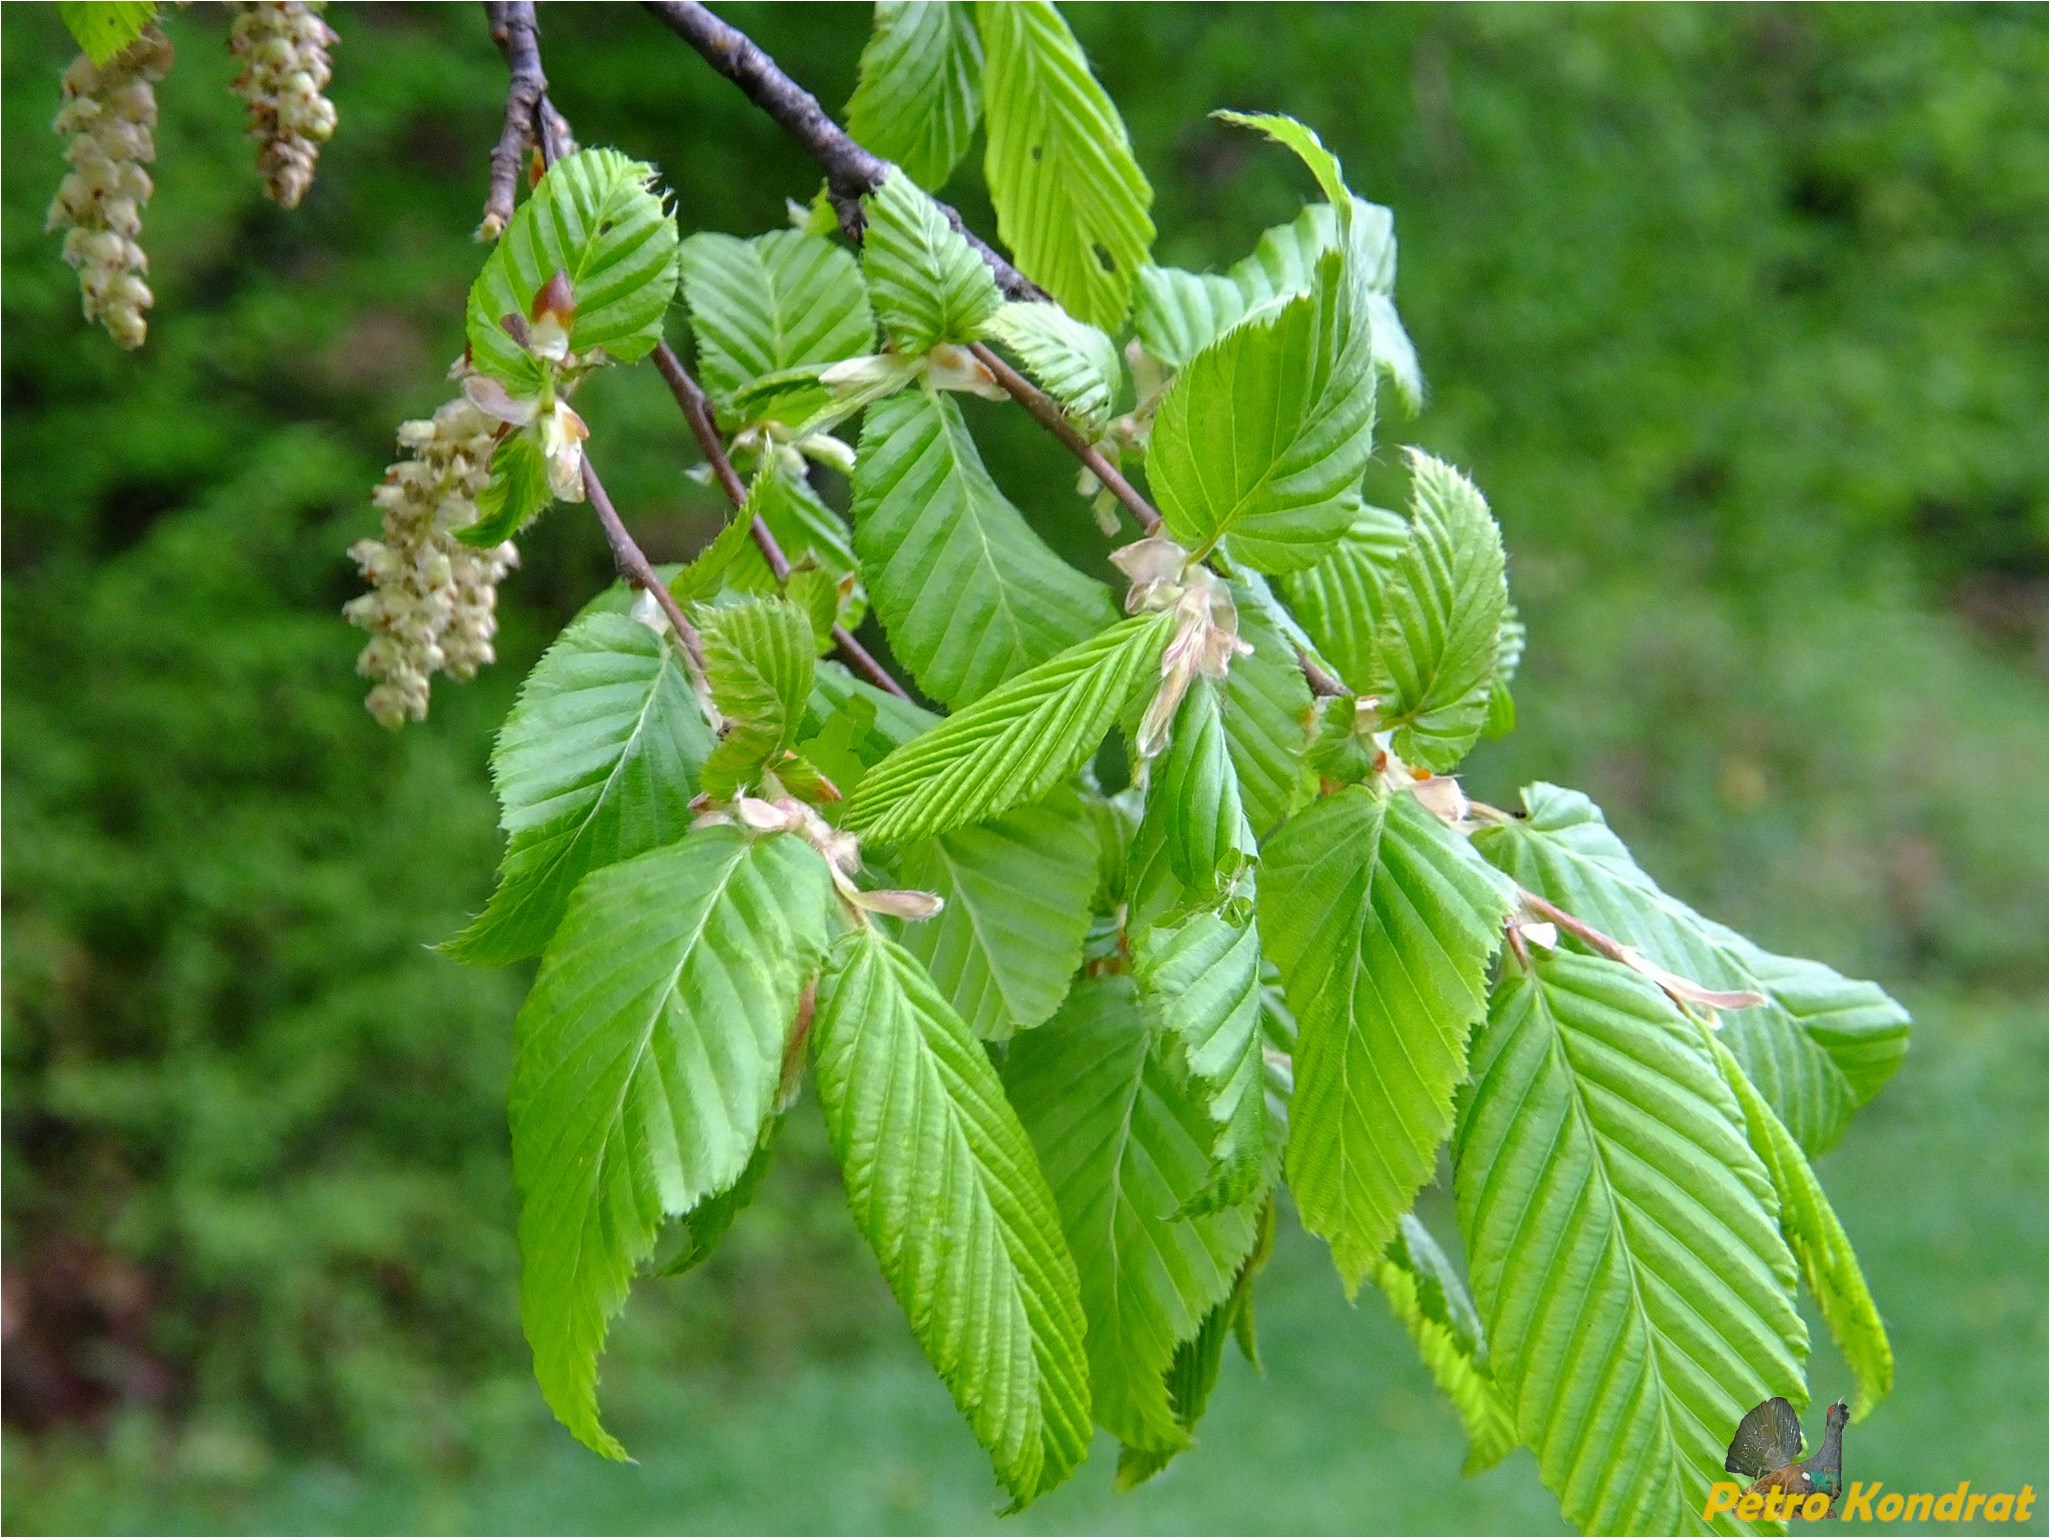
283	48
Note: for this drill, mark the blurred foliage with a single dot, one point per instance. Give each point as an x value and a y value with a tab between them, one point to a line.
1737	314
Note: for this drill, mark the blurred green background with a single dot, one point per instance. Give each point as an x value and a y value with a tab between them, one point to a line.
1737	314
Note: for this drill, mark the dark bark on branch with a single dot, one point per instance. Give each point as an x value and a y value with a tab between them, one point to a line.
514	30
634	565
851	171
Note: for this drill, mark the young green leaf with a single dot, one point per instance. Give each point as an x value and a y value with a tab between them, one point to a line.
1015	743
1177	314
944	1184
969	594
1509	643
517	490
1382	924
1304	141
1193	794
1125	1146
1266	703
779	301
106	28
1263	436
928	284
594	219
1426	1295
1199	981
1821	1047
758	661
1073	361
1070	200
597	763
1828	1263
647	1056
919	95
1636	1292
1017	891
1440	620
1339	599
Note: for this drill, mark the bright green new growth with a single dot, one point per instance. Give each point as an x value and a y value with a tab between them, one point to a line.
1141	928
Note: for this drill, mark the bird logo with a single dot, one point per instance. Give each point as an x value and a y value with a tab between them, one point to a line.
1767	1451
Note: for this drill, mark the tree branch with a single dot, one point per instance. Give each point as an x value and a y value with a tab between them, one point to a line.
518	36
851	170
1047	412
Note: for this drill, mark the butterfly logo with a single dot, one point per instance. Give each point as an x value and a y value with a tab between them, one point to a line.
1767	1451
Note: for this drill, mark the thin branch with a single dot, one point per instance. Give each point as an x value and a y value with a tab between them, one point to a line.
634	565
851	171
1047	412
514	29
1681	990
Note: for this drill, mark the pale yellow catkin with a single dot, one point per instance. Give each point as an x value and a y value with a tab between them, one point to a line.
283	46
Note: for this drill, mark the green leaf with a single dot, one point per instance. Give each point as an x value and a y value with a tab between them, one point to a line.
1509	644
1193	794
1828	1263
1426	1295
1824	1044
1339	599
1017	891
1199	981
1263	436
593	218
928	284
1073	361
1304	141
517	490
890	721
1441	620
780	301
1015	743
597	763
105	29
1266	703
1125	1147
1382	924
706	1224
969	594
1070	200
647	1056
1197	1362
758	662
1177	314
944	1184
1620	1237
920	91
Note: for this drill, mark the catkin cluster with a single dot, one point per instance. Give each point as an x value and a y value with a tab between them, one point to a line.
283	47
110	117
433	600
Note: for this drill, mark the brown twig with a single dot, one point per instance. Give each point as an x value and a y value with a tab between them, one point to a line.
517	34
514	30
634	565
1682	990
851	170
1047	412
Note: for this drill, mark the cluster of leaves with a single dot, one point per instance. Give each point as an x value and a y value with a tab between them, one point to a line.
1288	951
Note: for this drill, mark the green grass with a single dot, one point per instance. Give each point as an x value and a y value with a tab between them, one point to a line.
1343	1433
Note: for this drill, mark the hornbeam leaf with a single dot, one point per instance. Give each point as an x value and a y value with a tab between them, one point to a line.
1177	314
518	489
597	763
105	30
928	284
594	219
1303	140
1382	924
1824	1044
1070	200
1015	743
1017	891
1339	599
758	661
1633	1283
1428	1298
1193	795
647	1056
944	1185
706	1223
1266	706
1125	1147
1828	1263
969	594
1509	643
1199	981
1073	361
919	95
1263	436
1441	618
780	301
